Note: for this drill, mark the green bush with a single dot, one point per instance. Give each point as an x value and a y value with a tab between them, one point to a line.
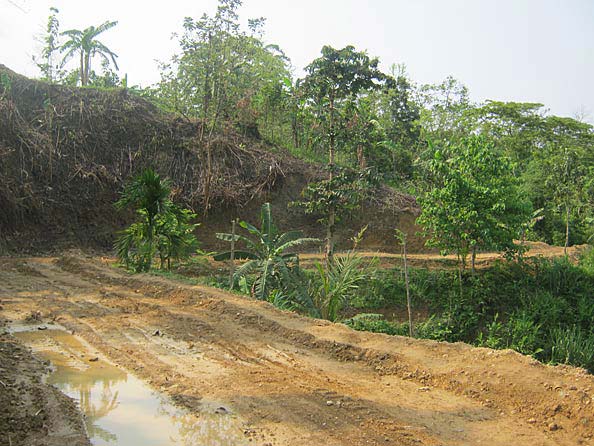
511	305
586	260
572	346
377	324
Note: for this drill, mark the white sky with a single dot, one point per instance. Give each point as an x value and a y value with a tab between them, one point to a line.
520	50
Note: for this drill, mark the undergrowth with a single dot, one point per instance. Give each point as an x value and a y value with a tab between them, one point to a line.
538	307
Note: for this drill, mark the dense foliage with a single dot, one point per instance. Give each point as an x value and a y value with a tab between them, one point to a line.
162	228
538	307
472	202
346	111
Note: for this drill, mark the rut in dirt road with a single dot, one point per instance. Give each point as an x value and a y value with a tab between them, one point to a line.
294	380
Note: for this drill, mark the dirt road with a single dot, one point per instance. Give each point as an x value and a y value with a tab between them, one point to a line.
299	381
435	260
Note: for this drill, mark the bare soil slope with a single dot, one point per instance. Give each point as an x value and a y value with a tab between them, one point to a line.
66	153
299	381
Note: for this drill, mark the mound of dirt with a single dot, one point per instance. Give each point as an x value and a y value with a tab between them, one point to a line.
31	412
66	152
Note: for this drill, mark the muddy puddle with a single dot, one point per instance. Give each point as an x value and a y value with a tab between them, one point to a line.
119	408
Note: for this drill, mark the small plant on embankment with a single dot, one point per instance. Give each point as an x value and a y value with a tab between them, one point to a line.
273	274
162	228
275	269
333	286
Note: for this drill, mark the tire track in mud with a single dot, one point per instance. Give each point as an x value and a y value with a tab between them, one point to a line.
296	380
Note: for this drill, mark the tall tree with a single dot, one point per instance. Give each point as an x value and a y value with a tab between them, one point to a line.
516	126
224	75
332	79
47	64
444	108
85	44
560	173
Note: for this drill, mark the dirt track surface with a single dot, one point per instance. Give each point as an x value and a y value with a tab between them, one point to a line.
435	260
299	381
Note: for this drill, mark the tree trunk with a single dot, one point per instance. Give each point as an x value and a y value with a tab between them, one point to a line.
208	177
232	257
330	237
473	259
361	157
331	210
566	229
82	68
406	282
332	137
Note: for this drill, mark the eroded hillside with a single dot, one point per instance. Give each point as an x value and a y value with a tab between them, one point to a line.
65	153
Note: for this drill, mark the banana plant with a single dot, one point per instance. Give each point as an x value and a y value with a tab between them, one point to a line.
266	254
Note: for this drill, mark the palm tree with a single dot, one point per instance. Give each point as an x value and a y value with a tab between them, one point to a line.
266	254
87	46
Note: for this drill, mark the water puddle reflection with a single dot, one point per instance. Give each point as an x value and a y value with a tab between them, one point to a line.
119	408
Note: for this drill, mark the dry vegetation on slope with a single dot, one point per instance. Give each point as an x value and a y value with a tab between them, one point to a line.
66	152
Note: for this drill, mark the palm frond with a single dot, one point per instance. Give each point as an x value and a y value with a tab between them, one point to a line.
99	48
292	243
263	280
246	269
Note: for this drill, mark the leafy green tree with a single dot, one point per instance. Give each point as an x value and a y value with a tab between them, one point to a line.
516	126
224	75
332	199
399	116
266	255
332	79
48	65
85	44
473	202
443	115
162	229
361	134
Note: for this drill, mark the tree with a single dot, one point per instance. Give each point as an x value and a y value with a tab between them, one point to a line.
222	72
516	126
162	229
223	75
399	116
335	197
332	79
48	66
266	254
444	110
87	46
473	202
560	173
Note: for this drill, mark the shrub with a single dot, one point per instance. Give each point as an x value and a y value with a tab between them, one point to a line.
572	346
162	228
377	324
